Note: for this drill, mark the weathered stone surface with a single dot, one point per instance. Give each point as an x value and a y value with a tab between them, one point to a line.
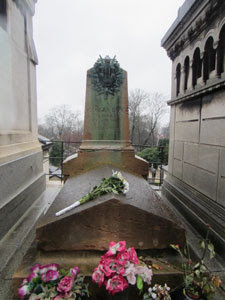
191	153
22	182
187	131
208	158
203	180
221	183
188	111
212	131
213	105
178	168
87	160
178	150
106	137
140	218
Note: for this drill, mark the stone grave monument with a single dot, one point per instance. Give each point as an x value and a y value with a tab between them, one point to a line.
106	138
140	218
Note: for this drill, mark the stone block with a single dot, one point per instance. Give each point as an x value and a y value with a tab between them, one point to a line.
20	83
139	218
22	182
212	132
170	160
178	150
191	153
188	111
208	158
221	183
213	105
172	121
88	160
17	27
202	180
178	168
187	131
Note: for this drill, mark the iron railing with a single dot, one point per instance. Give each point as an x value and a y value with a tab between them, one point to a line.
64	149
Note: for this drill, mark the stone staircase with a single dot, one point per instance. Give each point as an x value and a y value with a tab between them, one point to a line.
16	242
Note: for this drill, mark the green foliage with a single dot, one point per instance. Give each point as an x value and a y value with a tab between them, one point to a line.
156	155
197	279
108	185
139	283
151	155
56	153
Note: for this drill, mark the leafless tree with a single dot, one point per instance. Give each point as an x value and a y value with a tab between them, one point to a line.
145	111
62	123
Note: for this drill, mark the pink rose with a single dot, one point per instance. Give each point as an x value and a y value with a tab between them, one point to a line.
31	276
50	275
116	284
75	271
45	268
123	257
133	255
35	269
23	291
98	277
116	247
65	285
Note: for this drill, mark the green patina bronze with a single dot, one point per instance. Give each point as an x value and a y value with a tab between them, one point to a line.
106	76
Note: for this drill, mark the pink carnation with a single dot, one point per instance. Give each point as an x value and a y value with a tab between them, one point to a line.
65	285
50	275
35	269
116	247
123	257
116	284
45	268
31	276
75	271
133	255
23	291
98	277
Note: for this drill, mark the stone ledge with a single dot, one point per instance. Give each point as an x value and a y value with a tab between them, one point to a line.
198	210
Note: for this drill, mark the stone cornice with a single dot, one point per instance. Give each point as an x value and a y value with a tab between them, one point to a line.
217	85
200	15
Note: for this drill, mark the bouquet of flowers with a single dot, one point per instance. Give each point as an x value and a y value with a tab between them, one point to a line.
49	283
158	292
114	184
120	267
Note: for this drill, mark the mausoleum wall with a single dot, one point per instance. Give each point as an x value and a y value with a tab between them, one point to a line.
21	170
196	180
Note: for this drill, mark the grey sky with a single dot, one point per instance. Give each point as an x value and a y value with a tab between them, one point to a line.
70	35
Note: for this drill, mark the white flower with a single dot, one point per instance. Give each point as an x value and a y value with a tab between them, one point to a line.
120	176
167	287
154	295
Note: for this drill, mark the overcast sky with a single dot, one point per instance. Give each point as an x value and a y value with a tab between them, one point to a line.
70	34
